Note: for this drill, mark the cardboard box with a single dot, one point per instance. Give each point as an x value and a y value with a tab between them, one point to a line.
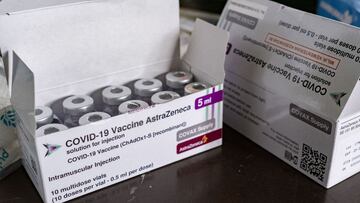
11	6
79	49
292	86
347	11
9	145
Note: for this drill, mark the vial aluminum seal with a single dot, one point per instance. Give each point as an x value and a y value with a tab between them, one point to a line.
43	116
195	87
50	129
164	97
178	79
115	95
147	87
132	105
93	117
78	105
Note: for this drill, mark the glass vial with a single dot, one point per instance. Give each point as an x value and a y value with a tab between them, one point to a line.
113	96
177	80
93	117
43	116
164	97
195	87
50	129
75	107
132	105
145	88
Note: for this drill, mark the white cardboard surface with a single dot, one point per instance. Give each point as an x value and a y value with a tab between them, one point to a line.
346	69
204	55
10	6
292	86
74	41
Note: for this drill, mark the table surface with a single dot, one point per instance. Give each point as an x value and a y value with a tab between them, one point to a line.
239	171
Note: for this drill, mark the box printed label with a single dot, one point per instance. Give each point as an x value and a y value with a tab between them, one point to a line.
292	79
199	141
242	19
208	100
249	8
311	119
303	51
159	129
196	130
68	164
293	52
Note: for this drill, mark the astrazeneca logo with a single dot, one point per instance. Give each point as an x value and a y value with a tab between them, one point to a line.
51	149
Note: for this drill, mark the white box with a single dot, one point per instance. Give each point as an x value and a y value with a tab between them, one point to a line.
292	86
80	48
11	6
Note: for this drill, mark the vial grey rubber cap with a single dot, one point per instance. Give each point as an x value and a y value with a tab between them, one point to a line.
164	97
147	87
178	79
77	105
132	105
115	95
195	87
43	115
50	129
93	117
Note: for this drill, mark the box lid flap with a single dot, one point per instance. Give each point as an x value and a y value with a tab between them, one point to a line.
10	6
303	57
207	50
64	45
352	106
4	89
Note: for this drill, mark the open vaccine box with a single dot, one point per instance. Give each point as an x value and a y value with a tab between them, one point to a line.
292	86
72	49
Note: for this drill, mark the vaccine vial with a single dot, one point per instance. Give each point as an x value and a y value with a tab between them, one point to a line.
164	97
113	96
195	87
177	80
75	107
50	129
93	117
43	116
132	105
145	88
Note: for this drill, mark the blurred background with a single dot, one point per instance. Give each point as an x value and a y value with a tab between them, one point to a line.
347	11
210	11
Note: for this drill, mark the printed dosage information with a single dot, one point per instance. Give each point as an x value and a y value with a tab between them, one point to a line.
303	51
209	99
93	183
311	119
199	141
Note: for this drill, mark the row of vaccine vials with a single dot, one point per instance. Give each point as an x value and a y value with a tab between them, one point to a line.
80	110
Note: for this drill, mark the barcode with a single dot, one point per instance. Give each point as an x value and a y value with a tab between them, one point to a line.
313	162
